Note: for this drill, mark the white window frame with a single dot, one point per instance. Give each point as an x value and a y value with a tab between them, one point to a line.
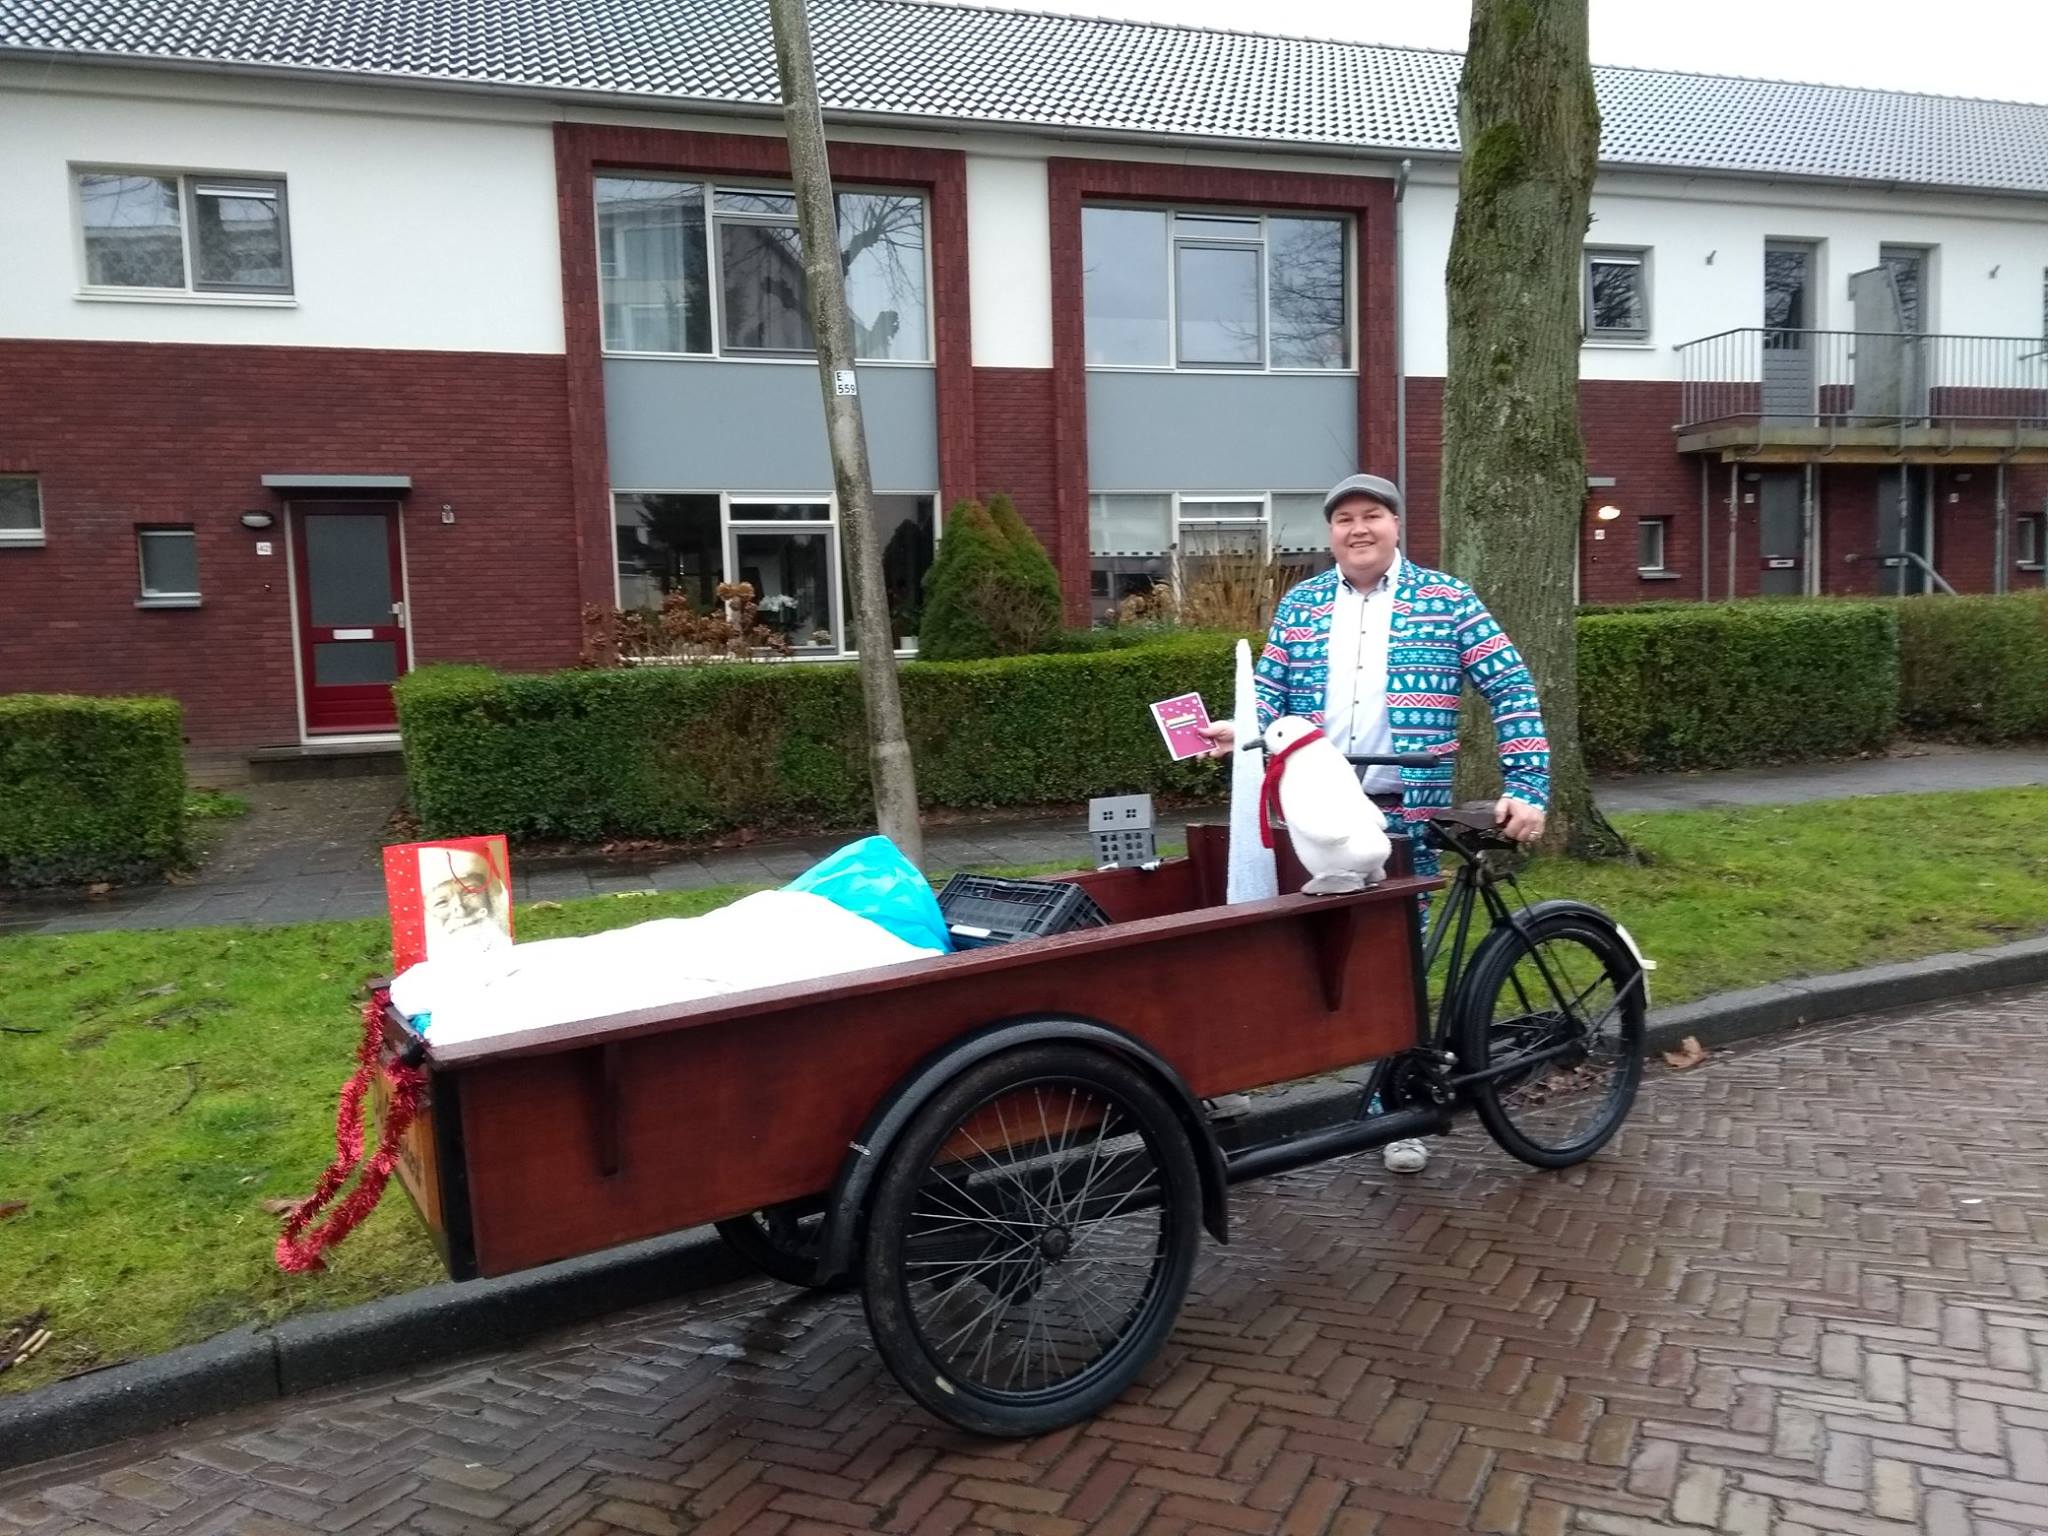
709	187
1262	518
2036	526
1174	241
149	598
1663	527
730	529
1638	256
727	547
191	186
27	538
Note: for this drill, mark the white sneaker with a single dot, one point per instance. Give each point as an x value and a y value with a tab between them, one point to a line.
1407	1156
1228	1106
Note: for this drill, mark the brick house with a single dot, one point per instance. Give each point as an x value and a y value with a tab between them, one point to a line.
328	352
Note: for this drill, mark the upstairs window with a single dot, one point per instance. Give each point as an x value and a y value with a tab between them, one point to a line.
1166	288
155	232
694	269
1617	295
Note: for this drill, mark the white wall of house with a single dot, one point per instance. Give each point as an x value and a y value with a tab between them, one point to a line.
1009	261
426	219
1683	221
408	230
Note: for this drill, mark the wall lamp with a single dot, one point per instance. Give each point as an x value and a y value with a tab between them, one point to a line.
1608	513
257	519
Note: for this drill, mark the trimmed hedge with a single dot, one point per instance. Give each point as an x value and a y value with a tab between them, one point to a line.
1974	668
1733	684
94	788
692	751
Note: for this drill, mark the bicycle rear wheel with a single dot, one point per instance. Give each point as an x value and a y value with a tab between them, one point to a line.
1556	1018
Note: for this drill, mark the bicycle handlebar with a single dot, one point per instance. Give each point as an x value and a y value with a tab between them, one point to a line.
1388	760
1395	760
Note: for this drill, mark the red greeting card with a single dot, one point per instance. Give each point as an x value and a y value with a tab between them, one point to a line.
1182	721
447	898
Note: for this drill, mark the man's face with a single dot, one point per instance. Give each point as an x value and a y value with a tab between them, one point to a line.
1363	536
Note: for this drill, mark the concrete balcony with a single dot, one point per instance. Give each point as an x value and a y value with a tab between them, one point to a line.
1864	397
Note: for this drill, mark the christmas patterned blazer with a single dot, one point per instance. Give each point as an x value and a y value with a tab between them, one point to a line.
1440	635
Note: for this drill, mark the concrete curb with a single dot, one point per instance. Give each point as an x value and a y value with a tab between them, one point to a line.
250	1365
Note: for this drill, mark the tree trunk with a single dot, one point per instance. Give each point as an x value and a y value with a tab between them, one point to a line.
1514	465
895	779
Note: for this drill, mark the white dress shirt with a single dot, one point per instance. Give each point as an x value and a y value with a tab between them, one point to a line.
1355	702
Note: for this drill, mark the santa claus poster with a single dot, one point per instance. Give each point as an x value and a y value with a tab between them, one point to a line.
448	898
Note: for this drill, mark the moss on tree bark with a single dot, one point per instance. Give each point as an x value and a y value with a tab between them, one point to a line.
1514	463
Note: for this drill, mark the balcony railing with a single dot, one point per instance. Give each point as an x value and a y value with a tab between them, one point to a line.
1863	381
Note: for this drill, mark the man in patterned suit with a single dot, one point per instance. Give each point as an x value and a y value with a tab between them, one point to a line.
1376	651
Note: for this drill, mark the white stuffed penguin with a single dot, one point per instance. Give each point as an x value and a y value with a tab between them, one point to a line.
1339	835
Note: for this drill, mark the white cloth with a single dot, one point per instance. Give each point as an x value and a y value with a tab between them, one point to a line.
763	940
1253	875
1355	702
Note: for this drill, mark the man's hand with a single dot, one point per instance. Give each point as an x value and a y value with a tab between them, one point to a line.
1223	736
1518	819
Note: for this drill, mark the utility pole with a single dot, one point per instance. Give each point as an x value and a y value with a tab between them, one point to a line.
895	778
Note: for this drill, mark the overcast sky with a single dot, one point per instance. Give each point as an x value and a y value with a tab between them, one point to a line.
1994	48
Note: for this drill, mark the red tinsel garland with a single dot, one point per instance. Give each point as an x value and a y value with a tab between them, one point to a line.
296	1255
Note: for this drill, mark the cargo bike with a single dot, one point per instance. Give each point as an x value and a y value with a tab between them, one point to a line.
1008	1150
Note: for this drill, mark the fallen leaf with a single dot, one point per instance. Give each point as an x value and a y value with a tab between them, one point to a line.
283	1205
99	888
1690	1053
12	1208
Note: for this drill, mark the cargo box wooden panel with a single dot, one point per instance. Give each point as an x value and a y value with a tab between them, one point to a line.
558	1142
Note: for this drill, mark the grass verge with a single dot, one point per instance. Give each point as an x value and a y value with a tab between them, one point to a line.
158	1088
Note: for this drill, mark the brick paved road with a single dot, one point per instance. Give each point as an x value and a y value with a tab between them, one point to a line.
1806	1292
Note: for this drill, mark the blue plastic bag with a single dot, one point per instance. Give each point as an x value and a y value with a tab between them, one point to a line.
874	879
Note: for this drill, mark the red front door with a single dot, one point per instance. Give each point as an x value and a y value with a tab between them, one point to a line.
351	614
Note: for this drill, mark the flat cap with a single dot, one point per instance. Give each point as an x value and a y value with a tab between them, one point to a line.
1379	489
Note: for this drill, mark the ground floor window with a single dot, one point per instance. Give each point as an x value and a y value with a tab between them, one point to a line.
2026	541
788	548
1650	545
21	510
1137	540
169	558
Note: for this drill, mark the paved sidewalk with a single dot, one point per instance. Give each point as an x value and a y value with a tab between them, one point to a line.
1791	1299
308	850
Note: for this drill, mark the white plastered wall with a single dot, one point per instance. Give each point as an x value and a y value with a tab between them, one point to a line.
408	229
1684	220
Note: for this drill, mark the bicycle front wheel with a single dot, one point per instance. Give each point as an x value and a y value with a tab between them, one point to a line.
1554	1016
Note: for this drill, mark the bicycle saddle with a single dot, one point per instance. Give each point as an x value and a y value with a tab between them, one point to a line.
1474	815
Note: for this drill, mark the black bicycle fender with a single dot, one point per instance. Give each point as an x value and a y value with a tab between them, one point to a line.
1536	911
847	1211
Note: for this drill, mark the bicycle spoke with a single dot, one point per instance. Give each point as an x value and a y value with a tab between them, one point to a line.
1043	1244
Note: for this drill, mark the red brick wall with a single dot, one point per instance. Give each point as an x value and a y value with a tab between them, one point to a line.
582	149
1368	200
1013	446
122	434
1848	528
1627	426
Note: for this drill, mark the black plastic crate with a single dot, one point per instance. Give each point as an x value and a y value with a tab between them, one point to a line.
982	910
